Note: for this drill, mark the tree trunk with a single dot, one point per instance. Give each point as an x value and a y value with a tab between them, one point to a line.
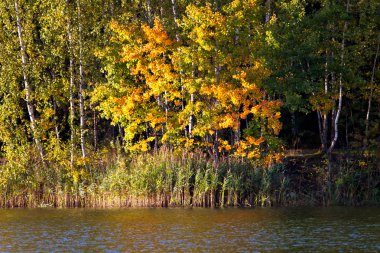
24	60
175	17
56	119
121	135
332	127
149	12
237	130
371	94
336	130
166	110
324	114
191	115
95	132
81	84
71	69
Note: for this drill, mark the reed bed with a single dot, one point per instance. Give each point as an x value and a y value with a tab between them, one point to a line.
165	178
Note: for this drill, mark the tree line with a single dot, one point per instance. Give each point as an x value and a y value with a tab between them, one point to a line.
81	80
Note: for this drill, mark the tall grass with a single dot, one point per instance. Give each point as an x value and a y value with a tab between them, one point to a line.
167	178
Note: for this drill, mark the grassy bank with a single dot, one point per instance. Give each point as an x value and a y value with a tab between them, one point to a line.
191	179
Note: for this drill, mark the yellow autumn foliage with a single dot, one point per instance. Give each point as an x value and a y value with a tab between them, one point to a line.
198	93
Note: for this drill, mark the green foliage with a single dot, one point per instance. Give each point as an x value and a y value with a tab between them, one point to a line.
178	102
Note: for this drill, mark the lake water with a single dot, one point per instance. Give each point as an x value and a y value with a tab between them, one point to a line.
190	230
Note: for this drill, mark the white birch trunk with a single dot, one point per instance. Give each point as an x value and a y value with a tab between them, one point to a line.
337	115
24	60
71	69
81	84
149	12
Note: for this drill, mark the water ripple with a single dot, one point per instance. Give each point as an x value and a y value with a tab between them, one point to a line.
190	230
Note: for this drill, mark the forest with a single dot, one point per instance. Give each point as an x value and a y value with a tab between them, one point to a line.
109	103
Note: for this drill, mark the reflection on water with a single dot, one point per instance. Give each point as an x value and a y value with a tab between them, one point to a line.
190	230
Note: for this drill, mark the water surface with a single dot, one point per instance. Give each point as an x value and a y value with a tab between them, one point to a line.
190	230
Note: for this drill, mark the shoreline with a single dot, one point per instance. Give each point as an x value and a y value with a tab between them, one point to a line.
167	180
